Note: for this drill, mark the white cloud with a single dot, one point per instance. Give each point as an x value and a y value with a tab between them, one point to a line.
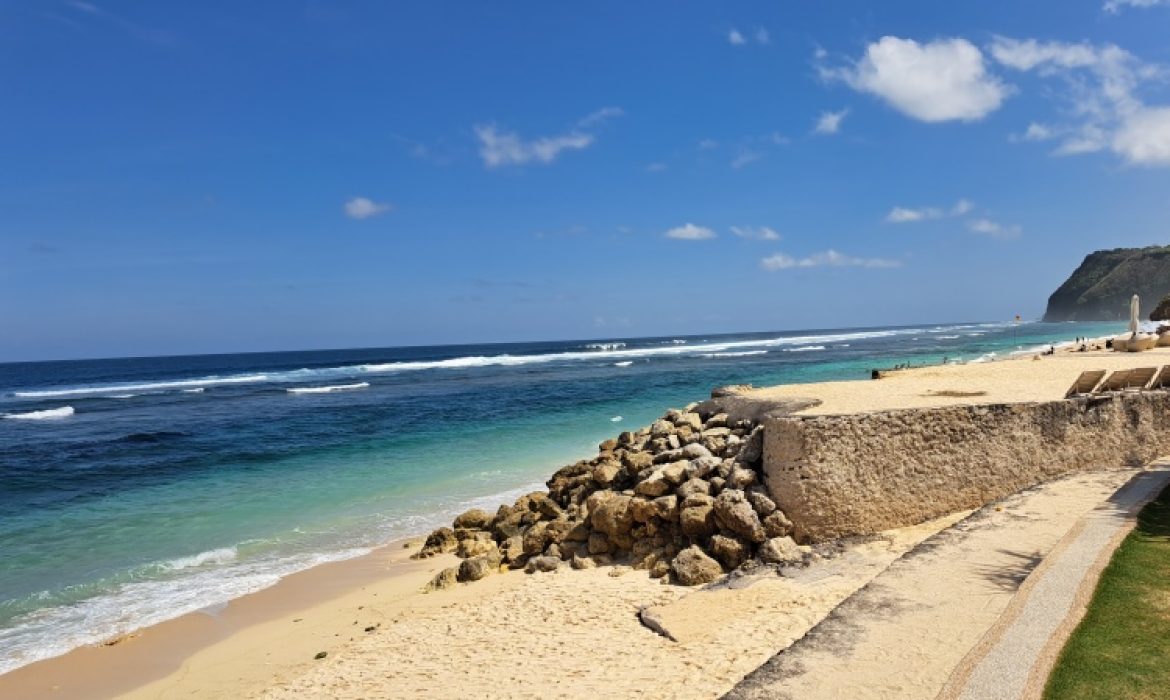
941	80
508	148
758	233
987	227
829	258
690	232
830	122
1144	137
1115	6
904	215
708	144
498	147
735	38
907	215
1038	132
1103	109
745	158
655	167
762	36
600	116
363	208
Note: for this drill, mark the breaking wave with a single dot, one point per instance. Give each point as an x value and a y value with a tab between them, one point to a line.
328	389
47	414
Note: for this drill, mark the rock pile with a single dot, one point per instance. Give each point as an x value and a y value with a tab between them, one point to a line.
682	498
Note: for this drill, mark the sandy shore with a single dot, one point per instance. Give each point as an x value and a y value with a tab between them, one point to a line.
1009	381
569	633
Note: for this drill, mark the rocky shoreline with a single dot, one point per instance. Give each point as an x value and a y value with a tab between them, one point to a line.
682	498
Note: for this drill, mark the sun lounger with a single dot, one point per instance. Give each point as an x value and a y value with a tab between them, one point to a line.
1115	382
1162	380
1139	378
1085	383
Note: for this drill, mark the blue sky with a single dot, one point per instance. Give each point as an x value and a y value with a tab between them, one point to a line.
223	176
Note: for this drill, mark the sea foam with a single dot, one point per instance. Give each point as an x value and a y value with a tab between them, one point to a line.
47	414
328	389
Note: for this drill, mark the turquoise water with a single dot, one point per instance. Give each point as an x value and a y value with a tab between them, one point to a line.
132	491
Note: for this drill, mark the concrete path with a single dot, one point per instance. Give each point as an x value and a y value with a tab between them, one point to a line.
1016	657
969	613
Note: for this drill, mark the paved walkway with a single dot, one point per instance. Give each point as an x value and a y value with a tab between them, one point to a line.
1016	657
970	612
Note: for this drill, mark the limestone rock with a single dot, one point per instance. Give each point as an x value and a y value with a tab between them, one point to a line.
474	519
442	580
543	563
740	478
777	524
692	486
697	521
613	517
781	550
512	548
763	505
703	466
580	562
661	428
598	543
653	487
439	541
480	543
666	507
729	551
606	472
477	567
692	567
733	512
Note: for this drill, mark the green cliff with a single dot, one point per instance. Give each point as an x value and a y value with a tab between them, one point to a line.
1100	289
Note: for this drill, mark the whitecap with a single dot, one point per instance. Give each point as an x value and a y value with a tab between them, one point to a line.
224	555
605	346
615	419
47	414
627	363
745	353
328	389
146	386
806	348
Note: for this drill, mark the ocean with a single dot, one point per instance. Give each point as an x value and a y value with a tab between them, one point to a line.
136	490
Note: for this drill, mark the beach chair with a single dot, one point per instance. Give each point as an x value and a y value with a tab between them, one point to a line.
1085	383
1162	379
1140	378
1115	382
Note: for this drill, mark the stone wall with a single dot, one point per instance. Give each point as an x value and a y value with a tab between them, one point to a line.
861	473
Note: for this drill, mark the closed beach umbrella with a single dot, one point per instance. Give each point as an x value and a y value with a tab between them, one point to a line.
1133	314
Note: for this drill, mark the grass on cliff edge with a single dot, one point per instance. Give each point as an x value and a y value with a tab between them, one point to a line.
1122	647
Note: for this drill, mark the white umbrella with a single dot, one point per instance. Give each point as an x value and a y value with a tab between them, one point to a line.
1134	304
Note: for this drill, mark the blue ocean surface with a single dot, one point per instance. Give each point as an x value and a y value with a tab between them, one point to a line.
135	490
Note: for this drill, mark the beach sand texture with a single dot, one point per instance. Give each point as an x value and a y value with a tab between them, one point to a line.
576	633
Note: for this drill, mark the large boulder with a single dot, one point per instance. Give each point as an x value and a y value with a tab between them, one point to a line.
697	518
439	541
730	551
693	567
478	567
613	516
733	512
474	519
479	542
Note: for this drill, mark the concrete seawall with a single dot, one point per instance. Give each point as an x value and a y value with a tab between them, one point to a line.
853	474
